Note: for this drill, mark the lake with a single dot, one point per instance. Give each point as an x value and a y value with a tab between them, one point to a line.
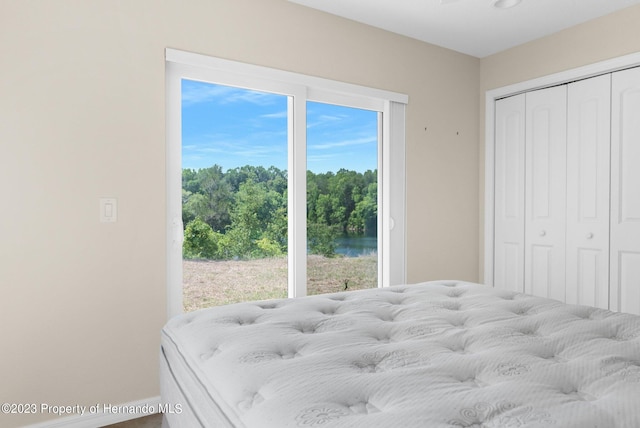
352	245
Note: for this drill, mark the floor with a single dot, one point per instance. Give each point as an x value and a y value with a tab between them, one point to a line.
152	421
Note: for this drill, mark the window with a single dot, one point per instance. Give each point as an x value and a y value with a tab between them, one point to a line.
342	197
299	91
234	194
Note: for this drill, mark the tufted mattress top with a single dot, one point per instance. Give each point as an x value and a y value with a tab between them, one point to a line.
437	354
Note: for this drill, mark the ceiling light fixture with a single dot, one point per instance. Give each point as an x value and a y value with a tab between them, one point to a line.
506	4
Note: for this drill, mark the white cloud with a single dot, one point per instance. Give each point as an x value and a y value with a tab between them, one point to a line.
323	119
199	92
202	93
344	143
278	115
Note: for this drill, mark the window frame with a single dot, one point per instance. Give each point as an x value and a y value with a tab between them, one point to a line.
299	88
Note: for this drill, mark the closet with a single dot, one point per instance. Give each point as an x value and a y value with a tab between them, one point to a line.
567	192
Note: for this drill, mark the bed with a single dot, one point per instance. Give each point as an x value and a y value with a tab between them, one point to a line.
436	354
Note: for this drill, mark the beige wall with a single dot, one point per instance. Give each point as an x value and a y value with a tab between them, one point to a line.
82	117
598	40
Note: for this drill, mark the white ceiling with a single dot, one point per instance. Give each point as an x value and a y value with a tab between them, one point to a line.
473	27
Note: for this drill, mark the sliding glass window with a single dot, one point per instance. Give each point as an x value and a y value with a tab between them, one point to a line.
275	184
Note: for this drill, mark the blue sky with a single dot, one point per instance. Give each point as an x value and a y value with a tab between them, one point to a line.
233	127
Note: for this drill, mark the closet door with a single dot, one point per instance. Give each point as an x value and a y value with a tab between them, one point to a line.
545	187
588	156
509	193
625	191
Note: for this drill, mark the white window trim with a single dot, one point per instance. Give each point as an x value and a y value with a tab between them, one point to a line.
391	160
579	73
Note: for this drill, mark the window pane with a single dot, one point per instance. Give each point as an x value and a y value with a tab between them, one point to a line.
342	198
234	194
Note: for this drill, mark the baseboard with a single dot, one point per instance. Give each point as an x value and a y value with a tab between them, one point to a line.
99	417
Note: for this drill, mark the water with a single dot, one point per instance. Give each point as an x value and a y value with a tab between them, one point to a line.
355	245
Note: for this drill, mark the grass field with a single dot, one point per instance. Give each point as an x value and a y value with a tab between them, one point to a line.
212	283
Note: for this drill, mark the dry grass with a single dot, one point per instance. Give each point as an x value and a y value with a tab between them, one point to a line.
212	283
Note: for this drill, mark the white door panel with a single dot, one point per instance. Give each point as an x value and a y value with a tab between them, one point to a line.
625	191
509	193
628	285
545	187
539	276
588	269
588	158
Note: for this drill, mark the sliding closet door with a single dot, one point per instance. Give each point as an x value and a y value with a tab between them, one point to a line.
545	187
625	191
588	147
509	193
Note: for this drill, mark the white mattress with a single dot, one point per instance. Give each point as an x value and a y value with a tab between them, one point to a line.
438	354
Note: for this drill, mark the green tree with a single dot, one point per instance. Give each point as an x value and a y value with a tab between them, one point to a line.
207	195
364	218
200	241
324	209
259	215
235	243
321	239
246	209
190	181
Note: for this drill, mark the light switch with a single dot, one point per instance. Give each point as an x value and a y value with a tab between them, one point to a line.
108	210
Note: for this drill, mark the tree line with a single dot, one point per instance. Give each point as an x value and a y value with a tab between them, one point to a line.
242	213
